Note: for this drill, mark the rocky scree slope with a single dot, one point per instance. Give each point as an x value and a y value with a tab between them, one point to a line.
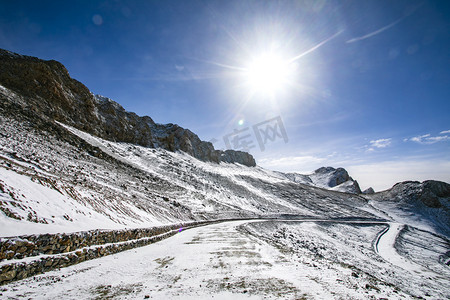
49	92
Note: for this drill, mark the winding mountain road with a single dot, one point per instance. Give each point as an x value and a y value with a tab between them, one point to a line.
216	261
385	247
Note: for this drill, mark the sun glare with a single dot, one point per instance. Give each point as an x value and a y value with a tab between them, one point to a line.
268	73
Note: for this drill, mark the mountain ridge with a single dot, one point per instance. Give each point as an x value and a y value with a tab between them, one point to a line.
50	92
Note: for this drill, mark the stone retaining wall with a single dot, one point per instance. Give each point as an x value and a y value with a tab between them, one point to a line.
62	250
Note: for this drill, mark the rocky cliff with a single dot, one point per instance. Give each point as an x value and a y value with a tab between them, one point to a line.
46	90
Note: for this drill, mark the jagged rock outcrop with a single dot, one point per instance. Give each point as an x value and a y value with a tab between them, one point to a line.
349	186
435	194
48	90
119	125
236	156
45	89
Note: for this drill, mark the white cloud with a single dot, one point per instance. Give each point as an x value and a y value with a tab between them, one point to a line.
435	139
420	138
428	139
304	163
381	143
445	132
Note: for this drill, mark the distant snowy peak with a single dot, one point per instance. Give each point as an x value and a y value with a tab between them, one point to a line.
328	178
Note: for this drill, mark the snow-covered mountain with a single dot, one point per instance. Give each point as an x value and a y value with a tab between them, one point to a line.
89	182
99	166
73	161
124	170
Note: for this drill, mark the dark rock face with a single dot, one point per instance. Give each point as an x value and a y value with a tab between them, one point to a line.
237	156
47	90
355	189
433	194
119	125
173	137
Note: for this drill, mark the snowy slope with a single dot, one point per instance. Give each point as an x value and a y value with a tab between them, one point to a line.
341	258
257	260
72	161
92	183
137	182
68	180
424	205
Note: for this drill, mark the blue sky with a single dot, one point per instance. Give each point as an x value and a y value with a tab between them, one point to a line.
368	88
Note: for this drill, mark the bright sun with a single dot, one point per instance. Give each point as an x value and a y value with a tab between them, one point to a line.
268	73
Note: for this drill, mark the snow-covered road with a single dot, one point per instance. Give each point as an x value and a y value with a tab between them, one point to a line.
216	261
385	247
